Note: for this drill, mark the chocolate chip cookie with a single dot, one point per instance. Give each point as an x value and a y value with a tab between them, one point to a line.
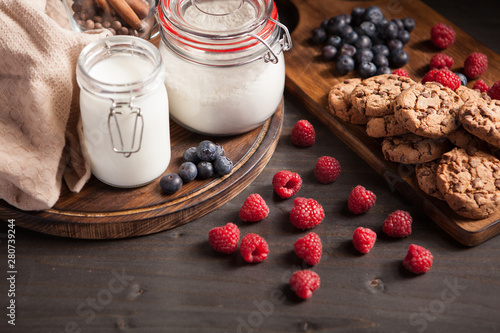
481	117
380	127
470	184
426	178
463	139
429	109
339	101
374	97
466	93
411	148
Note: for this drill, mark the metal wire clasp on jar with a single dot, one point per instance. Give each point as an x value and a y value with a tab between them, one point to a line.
224	62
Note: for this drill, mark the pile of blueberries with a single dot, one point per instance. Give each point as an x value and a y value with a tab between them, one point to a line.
365	40
202	162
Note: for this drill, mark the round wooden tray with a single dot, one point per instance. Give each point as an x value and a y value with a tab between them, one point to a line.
100	211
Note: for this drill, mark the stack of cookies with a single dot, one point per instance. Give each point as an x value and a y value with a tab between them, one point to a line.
451	137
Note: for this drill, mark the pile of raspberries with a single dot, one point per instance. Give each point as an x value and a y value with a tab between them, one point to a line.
308	213
475	65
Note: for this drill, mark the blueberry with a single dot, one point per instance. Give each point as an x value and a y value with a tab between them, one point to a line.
377	40
351	37
398	23
345	31
395	44
220	150
329	52
335	41
319	36
381	49
347	49
344	64
348	19
205	169
383	70
409	24
187	171
363	42
335	25
373	14
391	31
367	69
170	183
367	28
398	58
223	165
363	55
403	36
206	150
190	155
380	60
463	79
324	23
381	26
357	16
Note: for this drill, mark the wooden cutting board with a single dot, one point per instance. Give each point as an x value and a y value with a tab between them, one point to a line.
100	211
309	79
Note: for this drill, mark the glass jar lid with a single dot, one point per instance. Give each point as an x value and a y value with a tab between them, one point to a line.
223	32
217	18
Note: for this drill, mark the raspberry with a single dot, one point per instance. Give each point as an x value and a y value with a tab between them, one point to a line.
401	72
304	283
442	35
360	200
327	169
418	259
254	209
309	248
475	65
286	183
447	78
443	76
224	239
254	248
481	86
441	60
398	224
364	239
303	134
429	76
306	213
494	91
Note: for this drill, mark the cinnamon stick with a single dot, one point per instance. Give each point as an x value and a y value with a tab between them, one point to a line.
103	4
140	7
123	9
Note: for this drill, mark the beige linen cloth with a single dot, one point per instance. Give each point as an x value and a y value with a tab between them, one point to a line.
40	131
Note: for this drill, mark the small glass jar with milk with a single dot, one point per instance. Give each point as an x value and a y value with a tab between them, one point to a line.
124	109
224	62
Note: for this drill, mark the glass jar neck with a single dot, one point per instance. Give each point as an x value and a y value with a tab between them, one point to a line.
120	46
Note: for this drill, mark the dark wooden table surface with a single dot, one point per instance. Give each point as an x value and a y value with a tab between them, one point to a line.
173	282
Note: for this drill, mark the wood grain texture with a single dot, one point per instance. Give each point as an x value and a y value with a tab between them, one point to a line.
309	78
100	211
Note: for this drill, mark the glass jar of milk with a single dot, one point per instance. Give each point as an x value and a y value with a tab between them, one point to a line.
224	63
124	108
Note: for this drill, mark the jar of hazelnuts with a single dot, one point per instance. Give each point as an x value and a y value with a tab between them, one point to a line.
120	17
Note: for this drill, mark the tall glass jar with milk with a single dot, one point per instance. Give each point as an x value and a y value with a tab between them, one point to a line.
224	63
124	108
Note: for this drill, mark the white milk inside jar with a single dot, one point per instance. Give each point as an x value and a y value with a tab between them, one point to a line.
124	108
224	63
